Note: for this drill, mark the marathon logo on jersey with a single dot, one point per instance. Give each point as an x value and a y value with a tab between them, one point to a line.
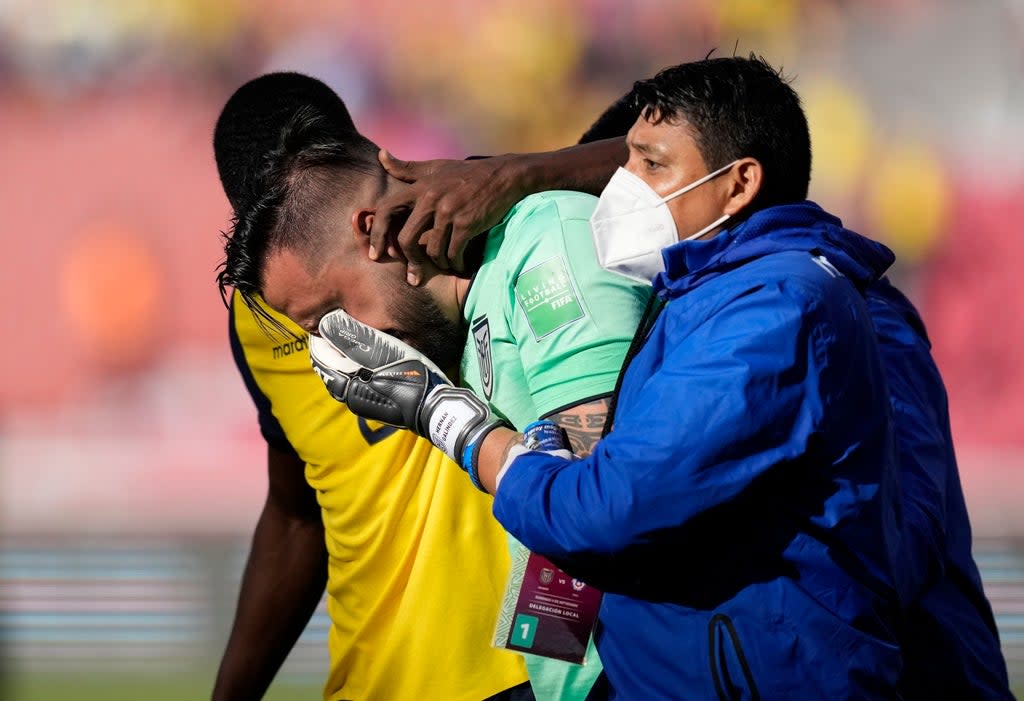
294	346
482	341
548	296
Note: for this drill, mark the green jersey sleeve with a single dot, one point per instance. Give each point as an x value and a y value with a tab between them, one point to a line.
559	324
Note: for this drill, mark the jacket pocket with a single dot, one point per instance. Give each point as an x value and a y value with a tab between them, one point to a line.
730	670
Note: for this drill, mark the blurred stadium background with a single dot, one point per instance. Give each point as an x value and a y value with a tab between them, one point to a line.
130	464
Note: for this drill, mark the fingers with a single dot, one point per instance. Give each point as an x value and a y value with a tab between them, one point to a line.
413	272
443	245
390	210
456	244
441	212
326	354
387	214
362	347
408	171
435	243
408	240
336	383
395	167
354	344
332	367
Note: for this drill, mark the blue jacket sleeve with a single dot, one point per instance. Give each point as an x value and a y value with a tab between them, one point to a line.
736	397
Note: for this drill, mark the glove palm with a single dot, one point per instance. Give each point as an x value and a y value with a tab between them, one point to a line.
381	378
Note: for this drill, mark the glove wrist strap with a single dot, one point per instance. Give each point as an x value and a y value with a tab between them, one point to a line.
470	461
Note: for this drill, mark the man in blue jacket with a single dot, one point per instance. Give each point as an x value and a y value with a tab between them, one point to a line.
743	515
948	636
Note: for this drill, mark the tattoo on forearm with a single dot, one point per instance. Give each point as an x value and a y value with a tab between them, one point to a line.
514	439
584	425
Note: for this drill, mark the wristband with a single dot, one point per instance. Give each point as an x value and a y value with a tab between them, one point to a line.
451	417
539	436
545	435
471	454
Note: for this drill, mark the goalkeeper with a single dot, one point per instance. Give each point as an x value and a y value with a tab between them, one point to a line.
540	329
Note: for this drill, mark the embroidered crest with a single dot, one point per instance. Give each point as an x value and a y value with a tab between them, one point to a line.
482	341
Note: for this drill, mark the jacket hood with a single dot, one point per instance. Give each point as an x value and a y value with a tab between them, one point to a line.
802	226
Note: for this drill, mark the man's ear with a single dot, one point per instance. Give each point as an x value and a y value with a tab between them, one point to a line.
362	221
745	180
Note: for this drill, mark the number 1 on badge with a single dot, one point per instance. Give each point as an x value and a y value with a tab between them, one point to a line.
524	629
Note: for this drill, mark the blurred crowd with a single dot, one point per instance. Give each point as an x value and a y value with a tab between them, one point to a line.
118	370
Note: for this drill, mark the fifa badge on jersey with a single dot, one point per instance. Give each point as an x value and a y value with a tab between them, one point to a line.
482	341
548	296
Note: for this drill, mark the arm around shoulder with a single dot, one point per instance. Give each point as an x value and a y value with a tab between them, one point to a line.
695	428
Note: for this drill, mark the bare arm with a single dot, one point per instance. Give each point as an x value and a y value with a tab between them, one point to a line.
283	581
449	202
583	424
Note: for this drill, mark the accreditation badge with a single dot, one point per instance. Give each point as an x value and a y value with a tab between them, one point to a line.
545	611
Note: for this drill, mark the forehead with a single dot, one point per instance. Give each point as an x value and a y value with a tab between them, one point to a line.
290	284
663	138
365	289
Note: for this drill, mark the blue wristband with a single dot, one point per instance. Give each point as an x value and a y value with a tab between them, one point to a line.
545	435
471	454
470	463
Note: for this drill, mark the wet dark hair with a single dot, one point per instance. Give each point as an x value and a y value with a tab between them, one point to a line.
285	146
736	107
251	122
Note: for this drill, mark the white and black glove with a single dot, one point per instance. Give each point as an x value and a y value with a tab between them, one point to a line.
381	378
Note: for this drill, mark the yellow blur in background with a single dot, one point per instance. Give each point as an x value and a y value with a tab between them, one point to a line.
131	467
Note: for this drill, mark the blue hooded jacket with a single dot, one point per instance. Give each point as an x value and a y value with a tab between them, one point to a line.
744	515
949	638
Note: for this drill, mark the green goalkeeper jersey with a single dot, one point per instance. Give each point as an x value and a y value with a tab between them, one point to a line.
548	329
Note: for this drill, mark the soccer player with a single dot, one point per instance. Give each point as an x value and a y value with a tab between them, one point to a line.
413	562
540	329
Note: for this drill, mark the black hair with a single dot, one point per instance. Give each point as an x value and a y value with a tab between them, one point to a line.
614	121
285	145
737	106
251	123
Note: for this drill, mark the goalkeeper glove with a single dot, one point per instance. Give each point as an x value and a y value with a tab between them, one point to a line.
381	378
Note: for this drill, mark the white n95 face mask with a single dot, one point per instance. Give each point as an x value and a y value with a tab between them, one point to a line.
632	223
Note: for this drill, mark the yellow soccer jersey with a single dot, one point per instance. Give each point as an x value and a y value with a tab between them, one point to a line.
417	563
